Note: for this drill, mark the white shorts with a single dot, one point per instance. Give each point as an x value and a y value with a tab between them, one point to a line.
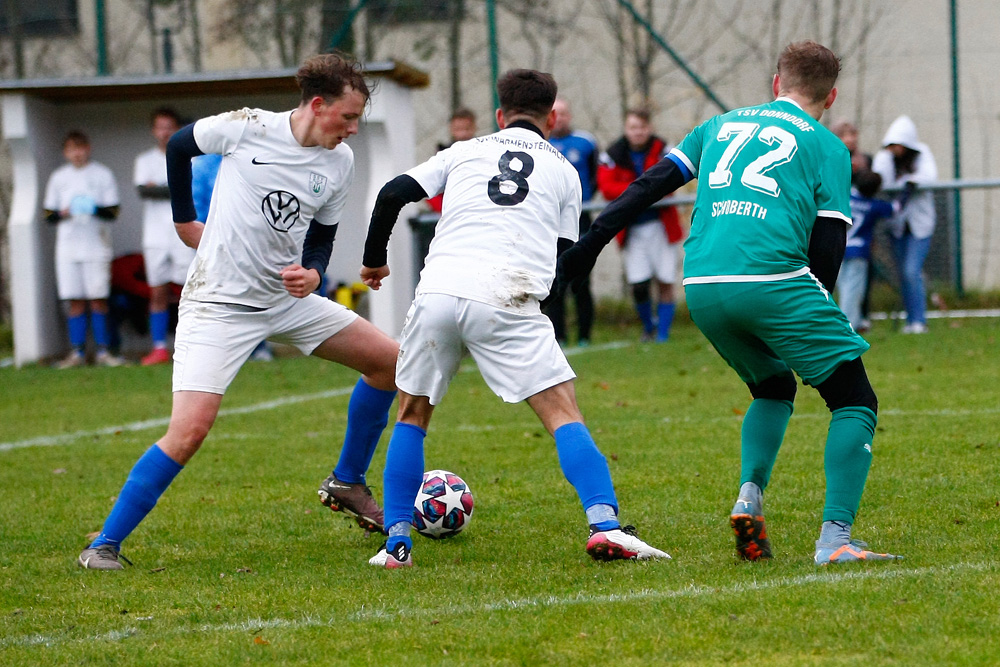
167	265
213	340
649	254
83	280
517	354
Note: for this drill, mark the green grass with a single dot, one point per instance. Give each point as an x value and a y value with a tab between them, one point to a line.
239	562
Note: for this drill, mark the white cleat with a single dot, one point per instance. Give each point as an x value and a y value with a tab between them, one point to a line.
620	544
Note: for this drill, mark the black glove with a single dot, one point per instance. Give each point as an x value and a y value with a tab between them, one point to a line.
573	268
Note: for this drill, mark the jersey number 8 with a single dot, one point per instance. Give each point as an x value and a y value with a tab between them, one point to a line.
510	186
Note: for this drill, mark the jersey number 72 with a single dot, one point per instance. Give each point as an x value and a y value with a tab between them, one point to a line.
754	175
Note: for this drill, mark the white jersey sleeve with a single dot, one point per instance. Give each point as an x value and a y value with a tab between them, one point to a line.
432	174
222	133
330	212
569	218
107	190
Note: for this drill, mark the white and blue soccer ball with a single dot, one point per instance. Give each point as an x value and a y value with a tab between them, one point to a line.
443	507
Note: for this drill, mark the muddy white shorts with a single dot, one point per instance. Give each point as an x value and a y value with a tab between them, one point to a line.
517	353
214	340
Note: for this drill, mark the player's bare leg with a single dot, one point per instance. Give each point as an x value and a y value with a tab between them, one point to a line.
363	347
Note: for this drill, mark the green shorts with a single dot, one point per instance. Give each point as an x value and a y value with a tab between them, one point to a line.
763	329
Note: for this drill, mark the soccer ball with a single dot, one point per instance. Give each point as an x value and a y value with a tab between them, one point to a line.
443	505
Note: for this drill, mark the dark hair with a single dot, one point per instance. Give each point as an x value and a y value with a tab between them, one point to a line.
868	183
76	137
526	92
328	75
905	163
642	113
808	68
463	113
165	112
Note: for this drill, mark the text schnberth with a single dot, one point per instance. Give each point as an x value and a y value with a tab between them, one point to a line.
735	207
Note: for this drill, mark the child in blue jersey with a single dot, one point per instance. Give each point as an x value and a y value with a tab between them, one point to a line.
866	211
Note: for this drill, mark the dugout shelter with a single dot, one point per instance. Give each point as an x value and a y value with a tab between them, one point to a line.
115	113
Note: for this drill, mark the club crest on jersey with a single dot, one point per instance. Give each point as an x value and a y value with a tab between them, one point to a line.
317	184
280	209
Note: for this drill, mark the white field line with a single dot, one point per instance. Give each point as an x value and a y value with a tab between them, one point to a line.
66	438
255	625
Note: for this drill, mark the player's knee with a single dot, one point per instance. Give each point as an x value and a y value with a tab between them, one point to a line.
848	386
780	387
640	292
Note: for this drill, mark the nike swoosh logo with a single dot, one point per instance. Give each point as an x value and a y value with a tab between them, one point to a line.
86	563
255	161
339	486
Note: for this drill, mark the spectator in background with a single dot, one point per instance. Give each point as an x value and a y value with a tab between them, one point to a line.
848	133
580	148
166	257
906	162
649	242
866	211
81	198
461	127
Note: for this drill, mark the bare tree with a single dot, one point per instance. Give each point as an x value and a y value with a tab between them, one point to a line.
288	27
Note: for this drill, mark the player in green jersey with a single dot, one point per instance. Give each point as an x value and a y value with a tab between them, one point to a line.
768	234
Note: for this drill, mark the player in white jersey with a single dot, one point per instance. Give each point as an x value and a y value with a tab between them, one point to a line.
81	198
510	201
165	256
281	189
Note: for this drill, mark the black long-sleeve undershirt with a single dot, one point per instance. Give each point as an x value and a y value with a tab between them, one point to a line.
391	199
318	246
180	149
827	245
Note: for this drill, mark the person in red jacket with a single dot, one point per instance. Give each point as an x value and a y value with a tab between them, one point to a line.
650	243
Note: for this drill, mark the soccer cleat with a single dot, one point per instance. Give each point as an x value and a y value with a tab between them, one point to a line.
159	355
73	360
353	499
620	544
104	557
105	358
851	552
747	520
391	560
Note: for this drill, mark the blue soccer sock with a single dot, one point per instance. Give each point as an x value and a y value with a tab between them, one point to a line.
645	310
77	326
404	471
149	478
664	318
585	468
158	322
367	416
99	329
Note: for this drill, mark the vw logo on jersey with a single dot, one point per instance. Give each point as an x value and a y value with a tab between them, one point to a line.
317	184
280	209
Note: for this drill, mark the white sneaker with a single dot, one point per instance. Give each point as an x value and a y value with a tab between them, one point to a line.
397	558
105	358
915	328
74	360
620	544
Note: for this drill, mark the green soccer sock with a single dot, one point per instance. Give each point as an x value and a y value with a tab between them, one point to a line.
763	430
847	459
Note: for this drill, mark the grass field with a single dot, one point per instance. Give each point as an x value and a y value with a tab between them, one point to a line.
240	563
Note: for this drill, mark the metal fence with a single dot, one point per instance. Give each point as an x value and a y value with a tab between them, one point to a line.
944	267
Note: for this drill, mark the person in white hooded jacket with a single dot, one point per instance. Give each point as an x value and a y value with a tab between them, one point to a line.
906	162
